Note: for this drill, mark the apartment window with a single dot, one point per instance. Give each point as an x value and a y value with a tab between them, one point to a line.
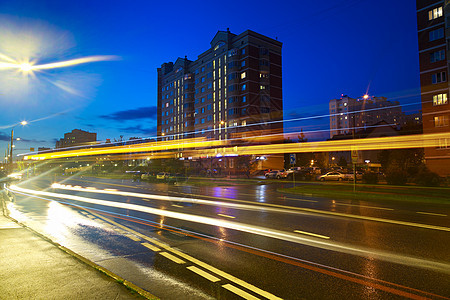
202	100
264	62
244	123
244	99
196	91
167	96
197	81
243	75
231	111
203	79
231	100
438	77
244	87
209	75
186	86
196	71
436	34
263	75
440	121
263	51
196	111
186	96
209	65
232	76
202	121
243	51
209	96
203	89
196	122
167	104
263	87
243	112
435	13
171	84
209	107
210	85
171	110
197	101
209	117
243	63
203	110
231	88
437	56
203	69
167	121
444	143
167	113
265	110
440	99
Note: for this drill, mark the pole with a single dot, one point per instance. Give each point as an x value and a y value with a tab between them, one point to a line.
11	151
354	178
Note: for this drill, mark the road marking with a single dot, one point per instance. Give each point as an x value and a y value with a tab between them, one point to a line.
178	206
90	188
303	200
364	206
196	261
172	258
151	247
239	292
226	216
203	274
134	238
289	209
432	214
112	190
312	234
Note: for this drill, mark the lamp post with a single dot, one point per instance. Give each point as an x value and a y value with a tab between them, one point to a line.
23	123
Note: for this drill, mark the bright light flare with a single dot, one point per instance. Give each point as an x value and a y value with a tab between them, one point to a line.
25	67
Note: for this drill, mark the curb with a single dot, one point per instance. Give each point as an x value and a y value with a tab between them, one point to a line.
129	285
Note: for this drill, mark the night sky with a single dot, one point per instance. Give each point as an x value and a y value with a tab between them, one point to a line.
340	47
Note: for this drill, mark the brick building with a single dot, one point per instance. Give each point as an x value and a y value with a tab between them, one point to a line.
433	27
232	89
76	137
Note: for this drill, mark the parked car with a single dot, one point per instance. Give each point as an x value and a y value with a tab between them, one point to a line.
350	176
176	178
145	176
332	176
278	174
162	175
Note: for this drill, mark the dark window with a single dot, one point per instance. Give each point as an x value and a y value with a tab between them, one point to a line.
436	34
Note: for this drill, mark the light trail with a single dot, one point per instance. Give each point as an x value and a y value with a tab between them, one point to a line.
259	207
443	267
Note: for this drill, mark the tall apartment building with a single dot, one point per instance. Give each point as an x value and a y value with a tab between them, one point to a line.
348	115
76	137
433	27
233	89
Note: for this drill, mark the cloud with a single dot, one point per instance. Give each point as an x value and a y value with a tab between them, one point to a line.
5	137
148	112
139	129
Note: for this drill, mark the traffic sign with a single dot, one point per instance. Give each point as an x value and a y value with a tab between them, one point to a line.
292	159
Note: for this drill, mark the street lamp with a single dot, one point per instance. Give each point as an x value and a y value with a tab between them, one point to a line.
23	123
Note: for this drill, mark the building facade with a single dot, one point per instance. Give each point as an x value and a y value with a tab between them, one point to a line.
233	89
433	27
348	115
76	137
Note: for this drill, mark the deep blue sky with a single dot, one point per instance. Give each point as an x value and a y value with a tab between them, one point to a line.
340	46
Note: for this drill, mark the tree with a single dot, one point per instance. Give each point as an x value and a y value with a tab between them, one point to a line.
246	164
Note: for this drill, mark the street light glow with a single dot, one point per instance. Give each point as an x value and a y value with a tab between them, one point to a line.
24	123
25	67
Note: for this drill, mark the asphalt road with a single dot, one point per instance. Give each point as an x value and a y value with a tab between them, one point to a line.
234	242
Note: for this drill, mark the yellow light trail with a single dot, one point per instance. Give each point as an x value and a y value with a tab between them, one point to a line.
379	143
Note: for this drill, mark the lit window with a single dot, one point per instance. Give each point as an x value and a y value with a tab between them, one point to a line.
440	99
244	99
167	104
444	143
203	110
244	123
243	75
435	13
440	121
244	87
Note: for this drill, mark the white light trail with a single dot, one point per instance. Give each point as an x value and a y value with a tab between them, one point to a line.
443	267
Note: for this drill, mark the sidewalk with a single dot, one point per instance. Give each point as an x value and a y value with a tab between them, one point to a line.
32	267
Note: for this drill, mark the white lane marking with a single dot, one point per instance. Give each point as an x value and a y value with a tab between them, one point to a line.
178	206
264	231
364	206
226	216
151	247
432	214
239	292
90	188
203	274
303	200
312	234
172	258
134	238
